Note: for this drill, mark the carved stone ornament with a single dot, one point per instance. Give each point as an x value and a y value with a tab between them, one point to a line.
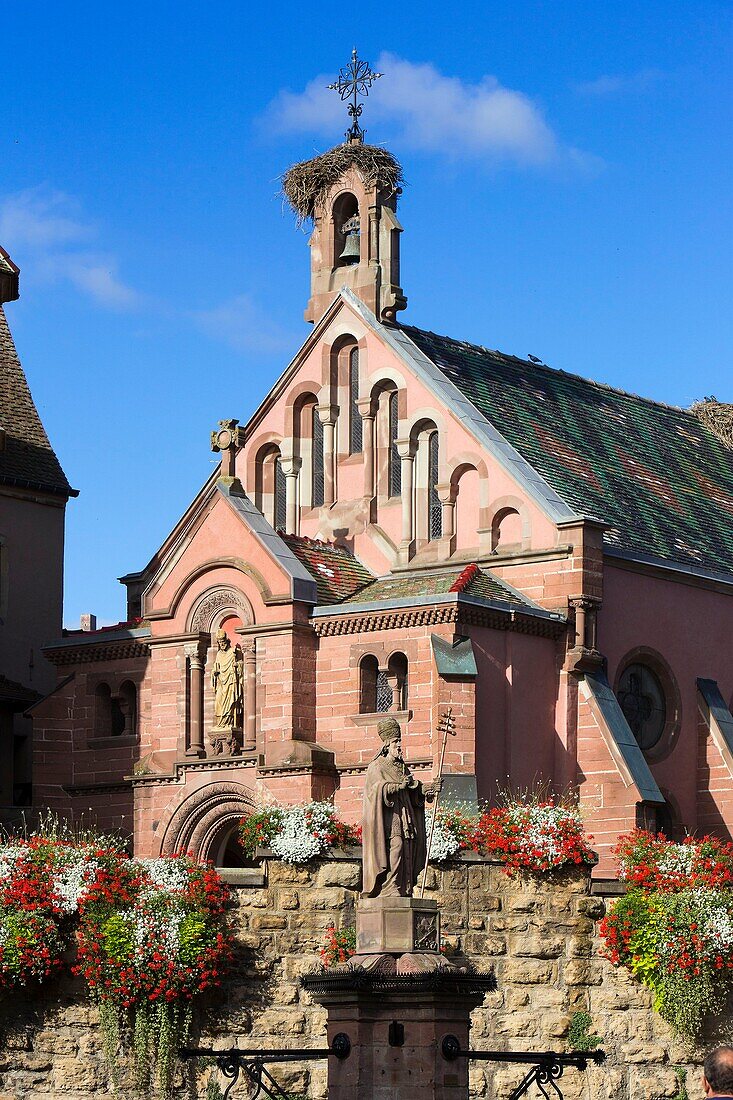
216	601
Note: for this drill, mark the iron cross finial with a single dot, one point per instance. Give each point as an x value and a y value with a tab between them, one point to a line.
354	80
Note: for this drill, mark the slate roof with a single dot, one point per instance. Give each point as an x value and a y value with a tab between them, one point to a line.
662	482
27	459
337	573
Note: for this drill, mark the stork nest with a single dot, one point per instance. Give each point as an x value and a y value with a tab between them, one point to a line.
305	184
717	417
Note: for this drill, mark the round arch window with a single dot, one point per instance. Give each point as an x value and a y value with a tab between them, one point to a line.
642	699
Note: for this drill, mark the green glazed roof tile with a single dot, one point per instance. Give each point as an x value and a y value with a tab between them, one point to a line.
660	480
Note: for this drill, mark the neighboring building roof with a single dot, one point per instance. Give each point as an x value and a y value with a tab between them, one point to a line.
653	473
15	694
337	573
27	459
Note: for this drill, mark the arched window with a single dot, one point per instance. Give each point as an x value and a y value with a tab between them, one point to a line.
279	509
128	708
102	711
435	511
317	480
355	424
368	673
397	670
395	466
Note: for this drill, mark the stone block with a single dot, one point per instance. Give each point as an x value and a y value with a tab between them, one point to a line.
527	971
268	922
536	945
582	972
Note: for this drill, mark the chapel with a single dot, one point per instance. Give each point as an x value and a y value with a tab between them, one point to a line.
410	523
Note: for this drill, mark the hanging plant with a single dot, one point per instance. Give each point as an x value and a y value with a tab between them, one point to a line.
674	929
152	937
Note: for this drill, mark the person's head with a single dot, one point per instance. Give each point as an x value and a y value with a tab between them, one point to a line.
390	735
222	639
718	1072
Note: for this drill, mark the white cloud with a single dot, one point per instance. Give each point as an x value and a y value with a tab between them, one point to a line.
430	111
48	227
40	218
244	326
614	85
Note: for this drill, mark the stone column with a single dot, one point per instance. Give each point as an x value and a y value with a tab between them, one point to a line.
406	451
291	468
195	745
250	698
328	415
367	431
448	515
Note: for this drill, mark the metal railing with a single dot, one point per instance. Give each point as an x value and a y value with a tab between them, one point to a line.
547	1066
232	1062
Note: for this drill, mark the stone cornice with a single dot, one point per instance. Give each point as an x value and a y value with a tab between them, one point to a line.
459	610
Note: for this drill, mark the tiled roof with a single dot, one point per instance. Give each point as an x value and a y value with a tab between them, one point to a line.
27	459
337	573
471	581
662	482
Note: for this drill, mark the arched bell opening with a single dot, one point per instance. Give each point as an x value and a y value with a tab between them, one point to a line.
346	231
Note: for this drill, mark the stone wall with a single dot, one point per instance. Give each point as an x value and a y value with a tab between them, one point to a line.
539	935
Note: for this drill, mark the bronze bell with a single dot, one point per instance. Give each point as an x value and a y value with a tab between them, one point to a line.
352	248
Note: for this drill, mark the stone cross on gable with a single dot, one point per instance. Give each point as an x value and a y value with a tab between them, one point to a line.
228	439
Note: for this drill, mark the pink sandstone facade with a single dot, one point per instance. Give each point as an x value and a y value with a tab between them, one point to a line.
378	538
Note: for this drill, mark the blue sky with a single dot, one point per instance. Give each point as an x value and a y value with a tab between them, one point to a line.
568	174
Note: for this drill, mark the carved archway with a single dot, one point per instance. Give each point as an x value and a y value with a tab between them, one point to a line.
216	604
201	823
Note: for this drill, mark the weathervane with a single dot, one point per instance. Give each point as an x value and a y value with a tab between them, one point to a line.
355	79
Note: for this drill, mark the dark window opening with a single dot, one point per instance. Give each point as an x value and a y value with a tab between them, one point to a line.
355	423
317	487
435	510
280	493
395	466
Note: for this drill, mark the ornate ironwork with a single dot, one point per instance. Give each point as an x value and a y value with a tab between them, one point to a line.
547	1066
234	1061
354	80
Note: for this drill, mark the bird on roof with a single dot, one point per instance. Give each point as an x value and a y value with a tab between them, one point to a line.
533	358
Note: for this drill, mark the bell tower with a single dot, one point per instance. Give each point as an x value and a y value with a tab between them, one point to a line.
350	194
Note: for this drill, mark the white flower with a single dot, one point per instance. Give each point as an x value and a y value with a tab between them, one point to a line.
164	874
9	855
444	843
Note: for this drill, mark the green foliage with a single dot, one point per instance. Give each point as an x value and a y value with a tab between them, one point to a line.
681	1074
579	1032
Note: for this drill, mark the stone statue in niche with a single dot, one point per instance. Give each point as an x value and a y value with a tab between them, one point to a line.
226	682
393	820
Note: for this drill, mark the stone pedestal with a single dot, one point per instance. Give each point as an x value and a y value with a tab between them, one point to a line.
225	741
397	925
396	1014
